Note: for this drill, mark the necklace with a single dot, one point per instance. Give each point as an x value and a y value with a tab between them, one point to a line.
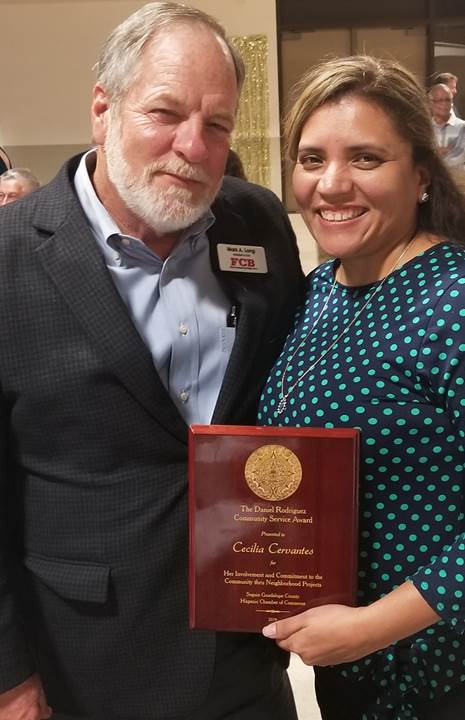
283	395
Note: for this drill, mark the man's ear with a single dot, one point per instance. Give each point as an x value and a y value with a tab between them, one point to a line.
99	114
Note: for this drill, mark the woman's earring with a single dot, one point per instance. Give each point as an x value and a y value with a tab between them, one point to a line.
425	197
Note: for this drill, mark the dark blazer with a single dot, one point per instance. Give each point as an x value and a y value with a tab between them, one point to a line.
93	554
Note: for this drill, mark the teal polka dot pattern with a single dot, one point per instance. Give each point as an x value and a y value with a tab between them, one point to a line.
398	375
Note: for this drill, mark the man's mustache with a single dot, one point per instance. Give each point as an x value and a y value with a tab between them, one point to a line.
179	168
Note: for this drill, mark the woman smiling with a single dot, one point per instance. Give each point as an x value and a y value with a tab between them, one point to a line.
379	344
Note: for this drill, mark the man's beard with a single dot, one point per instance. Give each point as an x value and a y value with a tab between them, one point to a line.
165	210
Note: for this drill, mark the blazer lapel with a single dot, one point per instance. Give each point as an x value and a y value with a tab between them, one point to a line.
246	292
71	258
245	349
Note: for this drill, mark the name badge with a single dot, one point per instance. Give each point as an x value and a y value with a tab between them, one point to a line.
242	258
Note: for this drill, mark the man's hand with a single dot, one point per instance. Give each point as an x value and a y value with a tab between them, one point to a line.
25	702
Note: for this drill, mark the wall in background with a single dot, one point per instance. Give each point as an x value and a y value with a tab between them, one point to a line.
51	48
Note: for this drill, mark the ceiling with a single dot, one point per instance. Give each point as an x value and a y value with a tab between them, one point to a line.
301	15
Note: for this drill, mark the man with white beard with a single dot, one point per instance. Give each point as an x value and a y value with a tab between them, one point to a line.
123	321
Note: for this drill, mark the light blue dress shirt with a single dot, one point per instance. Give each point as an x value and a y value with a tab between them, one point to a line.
452	135
177	305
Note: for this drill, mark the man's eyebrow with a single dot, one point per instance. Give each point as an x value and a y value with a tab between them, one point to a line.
173	99
225	116
163	96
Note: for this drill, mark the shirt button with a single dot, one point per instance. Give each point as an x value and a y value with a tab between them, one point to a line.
184	397
183	329
126	241
118	258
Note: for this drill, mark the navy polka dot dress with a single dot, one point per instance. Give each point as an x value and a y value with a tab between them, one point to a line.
398	374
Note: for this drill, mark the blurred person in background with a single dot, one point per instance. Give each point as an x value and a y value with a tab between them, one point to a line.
449	130
451	80
234	166
16	183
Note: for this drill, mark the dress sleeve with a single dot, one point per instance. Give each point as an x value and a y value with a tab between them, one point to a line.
441	368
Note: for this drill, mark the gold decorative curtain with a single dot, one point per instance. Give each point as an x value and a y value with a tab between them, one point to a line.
251	138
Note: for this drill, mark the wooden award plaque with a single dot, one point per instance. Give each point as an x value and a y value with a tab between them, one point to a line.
272	523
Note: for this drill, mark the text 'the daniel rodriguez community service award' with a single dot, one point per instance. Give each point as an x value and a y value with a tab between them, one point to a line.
272	523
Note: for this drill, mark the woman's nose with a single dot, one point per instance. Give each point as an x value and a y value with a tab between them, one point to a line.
335	179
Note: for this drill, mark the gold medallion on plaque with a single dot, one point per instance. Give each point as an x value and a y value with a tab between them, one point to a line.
273	472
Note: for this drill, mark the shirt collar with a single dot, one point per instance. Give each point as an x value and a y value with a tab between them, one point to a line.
102	224
453	119
451	122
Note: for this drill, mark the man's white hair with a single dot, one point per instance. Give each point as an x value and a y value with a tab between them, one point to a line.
117	65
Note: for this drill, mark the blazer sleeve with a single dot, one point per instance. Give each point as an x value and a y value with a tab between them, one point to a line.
16	663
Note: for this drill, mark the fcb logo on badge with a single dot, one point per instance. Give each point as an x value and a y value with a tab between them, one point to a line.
242	258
